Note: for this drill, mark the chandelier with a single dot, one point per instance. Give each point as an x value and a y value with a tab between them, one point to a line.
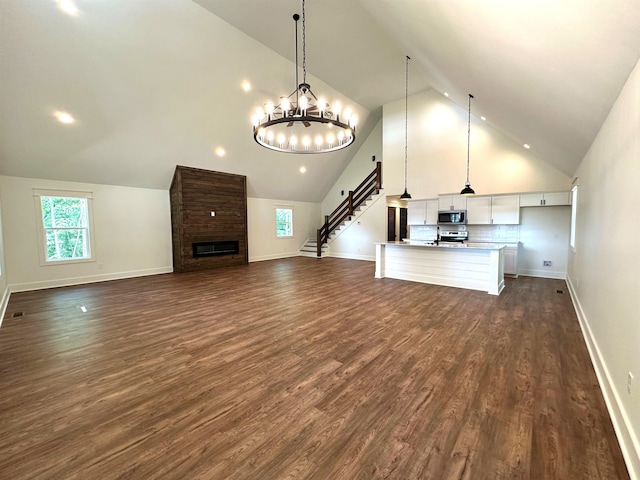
300	122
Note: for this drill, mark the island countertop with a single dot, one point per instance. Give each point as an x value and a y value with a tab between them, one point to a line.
476	266
431	244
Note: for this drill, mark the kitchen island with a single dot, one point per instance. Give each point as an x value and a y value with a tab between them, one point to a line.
476	266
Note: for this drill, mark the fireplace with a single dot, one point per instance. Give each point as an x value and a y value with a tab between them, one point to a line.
210	249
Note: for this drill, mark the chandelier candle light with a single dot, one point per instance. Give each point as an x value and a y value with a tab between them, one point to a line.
302	123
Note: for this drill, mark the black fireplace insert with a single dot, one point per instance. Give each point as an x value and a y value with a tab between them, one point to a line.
209	249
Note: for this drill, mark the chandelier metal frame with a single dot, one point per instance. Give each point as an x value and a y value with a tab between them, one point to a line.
302	123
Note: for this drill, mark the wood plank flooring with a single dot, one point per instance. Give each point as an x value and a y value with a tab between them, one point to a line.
299	369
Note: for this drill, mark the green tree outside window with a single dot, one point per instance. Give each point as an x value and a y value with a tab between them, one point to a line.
284	222
66	228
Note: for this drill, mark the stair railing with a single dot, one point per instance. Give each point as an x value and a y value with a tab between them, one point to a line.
369	186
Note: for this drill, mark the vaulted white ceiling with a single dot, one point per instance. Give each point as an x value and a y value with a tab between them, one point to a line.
155	83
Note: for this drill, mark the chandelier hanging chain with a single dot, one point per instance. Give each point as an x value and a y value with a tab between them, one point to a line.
406	117
304	47
296	17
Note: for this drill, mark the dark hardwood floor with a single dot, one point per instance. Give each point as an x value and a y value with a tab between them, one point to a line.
299	368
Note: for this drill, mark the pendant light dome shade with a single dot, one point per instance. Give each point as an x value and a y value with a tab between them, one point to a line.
467	190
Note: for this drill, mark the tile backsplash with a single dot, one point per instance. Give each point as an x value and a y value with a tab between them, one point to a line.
494	233
477	233
422	232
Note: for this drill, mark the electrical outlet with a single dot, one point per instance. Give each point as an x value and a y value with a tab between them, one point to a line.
546	263
629	382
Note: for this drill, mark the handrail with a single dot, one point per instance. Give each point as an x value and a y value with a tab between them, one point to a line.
369	186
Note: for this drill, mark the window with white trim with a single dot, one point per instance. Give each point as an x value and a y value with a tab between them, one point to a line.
284	222
64	226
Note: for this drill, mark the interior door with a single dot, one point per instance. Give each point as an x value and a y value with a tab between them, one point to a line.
403	224
391	224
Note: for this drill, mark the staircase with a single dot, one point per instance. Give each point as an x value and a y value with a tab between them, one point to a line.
310	249
346	210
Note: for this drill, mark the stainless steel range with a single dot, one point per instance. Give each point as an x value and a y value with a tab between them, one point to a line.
451	236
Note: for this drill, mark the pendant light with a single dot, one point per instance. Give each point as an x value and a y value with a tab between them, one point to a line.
406	195
467	190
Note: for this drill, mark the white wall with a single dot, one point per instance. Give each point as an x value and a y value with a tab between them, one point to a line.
261	218
4	287
603	271
132	231
544	233
357	170
437	153
357	238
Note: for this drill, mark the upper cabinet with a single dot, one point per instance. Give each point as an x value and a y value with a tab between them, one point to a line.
505	210
498	210
545	199
417	212
452	202
479	210
422	212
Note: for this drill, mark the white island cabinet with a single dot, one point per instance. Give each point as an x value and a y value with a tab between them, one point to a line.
472	266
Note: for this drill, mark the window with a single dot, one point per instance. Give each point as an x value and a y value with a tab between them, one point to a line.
65	219
284	222
574	213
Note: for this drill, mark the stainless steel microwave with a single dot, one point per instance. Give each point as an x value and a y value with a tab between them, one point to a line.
452	217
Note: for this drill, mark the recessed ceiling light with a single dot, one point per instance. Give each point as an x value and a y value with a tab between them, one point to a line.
221	152
303	169
483	118
446	94
527	146
64	117
68	7
246	86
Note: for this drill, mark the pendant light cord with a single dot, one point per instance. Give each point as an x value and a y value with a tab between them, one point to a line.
406	118
469	139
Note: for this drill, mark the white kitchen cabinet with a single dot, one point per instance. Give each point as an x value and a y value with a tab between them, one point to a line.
505	210
417	212
422	212
432	212
511	260
545	199
499	210
452	202
479	210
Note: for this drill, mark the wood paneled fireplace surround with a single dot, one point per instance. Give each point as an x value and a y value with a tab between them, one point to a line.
208	219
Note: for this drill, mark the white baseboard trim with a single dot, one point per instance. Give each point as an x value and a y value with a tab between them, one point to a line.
352	256
543	274
274	256
627	438
4	302
66	282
